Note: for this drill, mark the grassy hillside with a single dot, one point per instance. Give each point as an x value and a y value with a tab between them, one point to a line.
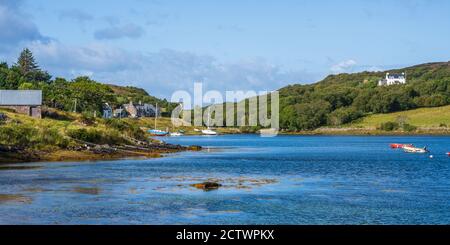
423	118
72	136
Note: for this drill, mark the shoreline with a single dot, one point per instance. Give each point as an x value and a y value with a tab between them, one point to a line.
368	132
62	155
157	151
356	132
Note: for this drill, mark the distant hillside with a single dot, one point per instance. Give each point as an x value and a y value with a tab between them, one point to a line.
424	118
128	93
341	99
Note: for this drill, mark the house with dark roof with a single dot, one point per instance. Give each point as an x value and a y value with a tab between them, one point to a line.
140	110
28	102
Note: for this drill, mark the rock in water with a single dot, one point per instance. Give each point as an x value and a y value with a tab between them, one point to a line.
207	186
194	148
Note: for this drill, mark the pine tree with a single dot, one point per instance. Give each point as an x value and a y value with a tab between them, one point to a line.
26	62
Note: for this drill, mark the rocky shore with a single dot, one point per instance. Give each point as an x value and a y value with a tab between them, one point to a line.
90	152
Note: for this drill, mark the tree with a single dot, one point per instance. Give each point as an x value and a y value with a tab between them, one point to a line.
26	86
26	63
29	69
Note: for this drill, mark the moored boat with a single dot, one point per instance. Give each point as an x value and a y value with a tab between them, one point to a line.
448	154
209	132
176	134
398	146
412	149
157	132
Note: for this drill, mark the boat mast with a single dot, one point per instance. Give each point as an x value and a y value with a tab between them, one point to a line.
156	114
209	116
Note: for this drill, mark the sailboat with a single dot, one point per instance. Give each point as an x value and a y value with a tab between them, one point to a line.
209	131
157	132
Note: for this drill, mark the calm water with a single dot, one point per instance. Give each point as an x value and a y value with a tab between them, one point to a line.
281	180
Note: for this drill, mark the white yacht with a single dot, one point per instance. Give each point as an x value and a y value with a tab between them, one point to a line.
174	134
209	131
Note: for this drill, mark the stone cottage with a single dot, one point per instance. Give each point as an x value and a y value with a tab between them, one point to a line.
28	102
140	110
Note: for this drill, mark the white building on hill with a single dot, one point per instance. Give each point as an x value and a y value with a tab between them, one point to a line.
392	79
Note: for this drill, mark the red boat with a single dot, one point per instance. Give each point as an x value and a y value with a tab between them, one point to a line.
448	154
398	146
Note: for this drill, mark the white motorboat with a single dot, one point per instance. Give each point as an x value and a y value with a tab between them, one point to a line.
175	134
412	149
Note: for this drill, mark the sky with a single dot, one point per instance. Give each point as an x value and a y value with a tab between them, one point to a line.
164	46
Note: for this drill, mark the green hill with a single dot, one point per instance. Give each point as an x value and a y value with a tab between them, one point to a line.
340	99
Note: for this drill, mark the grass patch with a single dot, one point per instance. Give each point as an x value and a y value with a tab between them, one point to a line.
422	118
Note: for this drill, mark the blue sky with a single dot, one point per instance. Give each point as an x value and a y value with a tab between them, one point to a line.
163	46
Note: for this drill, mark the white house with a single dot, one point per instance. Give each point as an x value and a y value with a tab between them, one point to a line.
392	79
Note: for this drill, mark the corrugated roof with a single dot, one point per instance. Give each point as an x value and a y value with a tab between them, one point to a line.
20	97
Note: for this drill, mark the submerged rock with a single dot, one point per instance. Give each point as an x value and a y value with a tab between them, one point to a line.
207	186
4	198
87	190
194	148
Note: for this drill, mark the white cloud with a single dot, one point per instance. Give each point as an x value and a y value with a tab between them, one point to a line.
75	14
123	31
162	73
344	66
15	26
94	57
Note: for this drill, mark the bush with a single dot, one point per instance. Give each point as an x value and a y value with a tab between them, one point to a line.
54	115
25	136
87	119
343	115
131	130
18	135
96	136
409	128
389	126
